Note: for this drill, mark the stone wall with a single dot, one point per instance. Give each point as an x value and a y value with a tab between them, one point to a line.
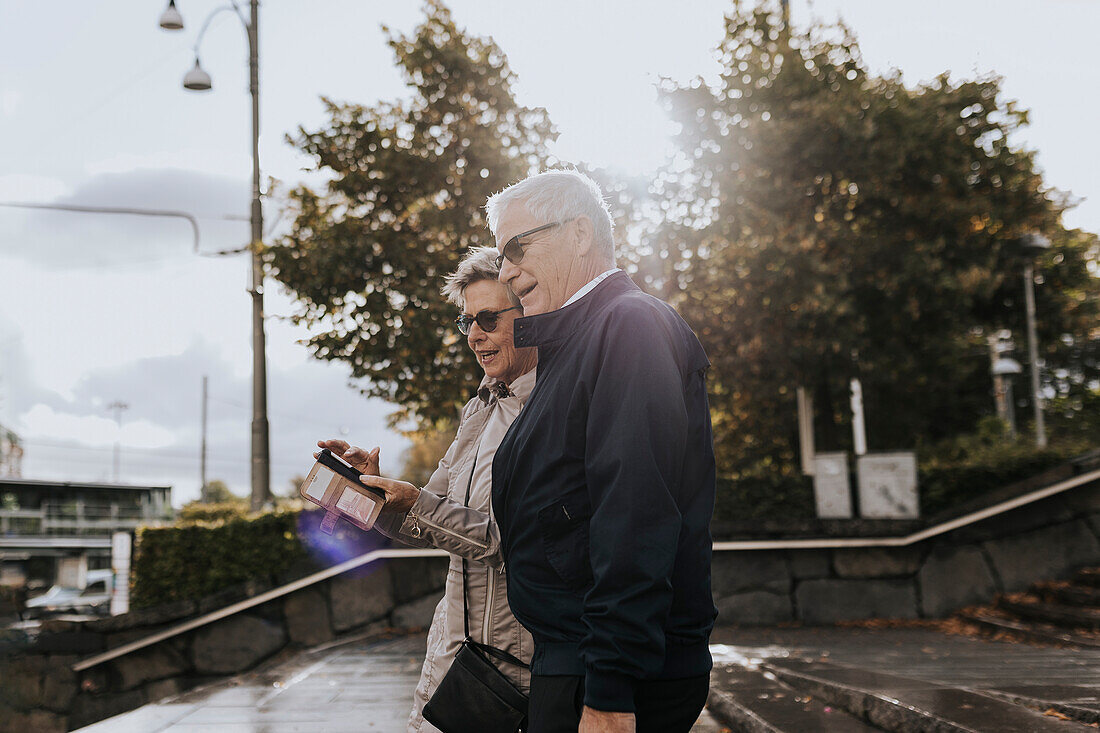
1048	539
40	692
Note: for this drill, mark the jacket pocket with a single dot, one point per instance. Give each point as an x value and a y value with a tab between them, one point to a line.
565	539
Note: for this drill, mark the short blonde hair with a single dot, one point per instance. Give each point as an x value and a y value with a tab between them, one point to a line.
480	263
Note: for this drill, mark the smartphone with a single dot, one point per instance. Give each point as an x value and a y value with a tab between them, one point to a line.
333	484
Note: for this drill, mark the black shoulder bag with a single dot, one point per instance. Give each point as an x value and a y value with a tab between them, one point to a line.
474	696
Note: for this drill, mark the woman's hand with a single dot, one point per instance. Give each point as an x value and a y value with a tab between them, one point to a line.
364	461
400	495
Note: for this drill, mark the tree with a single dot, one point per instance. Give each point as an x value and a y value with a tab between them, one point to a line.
824	223
422	457
407	181
217	492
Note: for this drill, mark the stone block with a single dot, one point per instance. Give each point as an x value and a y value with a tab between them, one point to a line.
877	562
152	616
59	684
1043	554
22	679
415	578
162	689
359	599
1084	499
35	721
88	709
69	642
739	571
755	608
417	614
806	564
953	577
307	617
235	644
147	665
830	601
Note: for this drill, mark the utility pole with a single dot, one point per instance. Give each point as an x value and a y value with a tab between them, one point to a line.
117	407
202	463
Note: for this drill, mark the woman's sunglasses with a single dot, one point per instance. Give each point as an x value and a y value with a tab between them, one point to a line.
487	320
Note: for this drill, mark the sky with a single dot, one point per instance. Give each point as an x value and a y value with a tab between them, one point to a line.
96	309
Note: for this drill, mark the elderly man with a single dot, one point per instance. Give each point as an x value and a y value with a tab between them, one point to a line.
603	487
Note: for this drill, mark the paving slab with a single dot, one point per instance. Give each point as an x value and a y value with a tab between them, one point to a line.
354	685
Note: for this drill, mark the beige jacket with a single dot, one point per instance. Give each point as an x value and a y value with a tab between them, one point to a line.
439	519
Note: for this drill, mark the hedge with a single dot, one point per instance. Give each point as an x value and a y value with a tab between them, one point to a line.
194	560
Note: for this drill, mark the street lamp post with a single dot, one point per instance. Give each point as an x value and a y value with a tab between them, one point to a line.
1034	243
198	80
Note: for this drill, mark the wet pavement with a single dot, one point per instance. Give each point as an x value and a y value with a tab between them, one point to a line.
355	685
901	679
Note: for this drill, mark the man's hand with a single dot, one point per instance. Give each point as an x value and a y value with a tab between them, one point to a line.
400	495
601	721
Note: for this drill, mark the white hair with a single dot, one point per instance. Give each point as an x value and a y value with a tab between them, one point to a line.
480	263
558	195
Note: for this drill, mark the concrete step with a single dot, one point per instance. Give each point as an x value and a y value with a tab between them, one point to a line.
1031	631
1070	594
1032	608
909	705
1077	702
751	701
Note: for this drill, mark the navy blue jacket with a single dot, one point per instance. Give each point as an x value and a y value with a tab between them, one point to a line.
603	489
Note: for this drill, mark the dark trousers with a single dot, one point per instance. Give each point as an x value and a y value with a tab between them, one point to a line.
660	706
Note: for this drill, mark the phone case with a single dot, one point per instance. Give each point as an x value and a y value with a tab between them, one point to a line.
334	485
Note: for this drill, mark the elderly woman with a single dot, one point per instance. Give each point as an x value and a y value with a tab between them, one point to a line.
439	515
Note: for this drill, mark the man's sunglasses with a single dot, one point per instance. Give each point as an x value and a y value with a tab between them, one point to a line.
513	249
486	319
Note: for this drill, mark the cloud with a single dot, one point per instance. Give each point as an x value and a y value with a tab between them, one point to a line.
72	438
68	240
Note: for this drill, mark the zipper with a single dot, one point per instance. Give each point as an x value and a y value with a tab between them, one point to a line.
490	583
415	530
446	531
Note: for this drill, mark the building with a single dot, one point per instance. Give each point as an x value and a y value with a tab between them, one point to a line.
55	531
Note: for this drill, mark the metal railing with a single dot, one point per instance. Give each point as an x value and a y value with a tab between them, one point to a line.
722	546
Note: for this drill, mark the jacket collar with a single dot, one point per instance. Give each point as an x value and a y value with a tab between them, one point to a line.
494	389
547	327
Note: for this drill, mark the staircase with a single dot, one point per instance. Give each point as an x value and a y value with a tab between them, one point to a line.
1065	612
807	696
911	681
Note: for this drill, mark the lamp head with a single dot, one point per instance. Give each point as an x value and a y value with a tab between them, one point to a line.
170	19
1034	243
1006	366
196	79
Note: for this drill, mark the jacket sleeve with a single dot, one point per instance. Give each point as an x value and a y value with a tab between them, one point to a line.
636	437
435	520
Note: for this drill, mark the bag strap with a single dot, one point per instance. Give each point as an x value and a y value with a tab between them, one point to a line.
500	654
466	503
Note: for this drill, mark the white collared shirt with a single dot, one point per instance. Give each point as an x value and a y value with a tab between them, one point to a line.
591	284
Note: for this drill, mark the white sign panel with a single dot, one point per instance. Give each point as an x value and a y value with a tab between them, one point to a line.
888	485
121	543
832	492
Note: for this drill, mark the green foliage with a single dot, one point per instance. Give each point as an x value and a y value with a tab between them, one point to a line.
193	560
423	456
823	223
764	496
969	466
197	512
217	492
407	181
